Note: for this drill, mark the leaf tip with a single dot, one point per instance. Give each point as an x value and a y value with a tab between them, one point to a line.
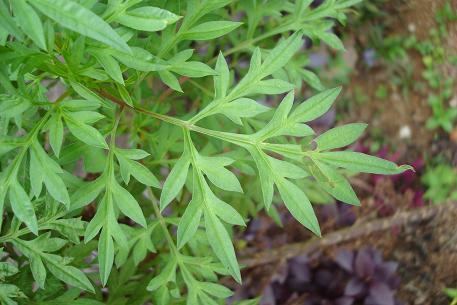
406	167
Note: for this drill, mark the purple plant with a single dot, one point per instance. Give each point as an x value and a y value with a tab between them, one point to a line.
372	279
405	182
350	278
339	214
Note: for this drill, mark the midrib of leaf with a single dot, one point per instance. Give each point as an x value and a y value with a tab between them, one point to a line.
283	149
353	162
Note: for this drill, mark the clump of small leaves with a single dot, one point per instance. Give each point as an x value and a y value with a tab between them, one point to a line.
136	135
350	278
441	183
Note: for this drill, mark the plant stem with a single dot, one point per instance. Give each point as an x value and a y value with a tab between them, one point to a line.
162	223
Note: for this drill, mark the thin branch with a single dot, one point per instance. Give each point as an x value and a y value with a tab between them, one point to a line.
346	234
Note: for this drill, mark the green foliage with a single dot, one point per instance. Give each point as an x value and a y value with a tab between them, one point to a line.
93	93
452	293
441	182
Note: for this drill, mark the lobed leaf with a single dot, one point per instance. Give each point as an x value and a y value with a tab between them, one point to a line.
221	244
76	17
360	162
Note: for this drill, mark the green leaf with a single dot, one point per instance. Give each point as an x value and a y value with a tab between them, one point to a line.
312	79
50	174
214	169
332	40
222	77
451	292
271	86
75	17
166	275
105	255
298	204
193	69
256	62
335	184
137	170
110	65
86	117
315	106
242	108
127	204
56	133
278	124
170	80
360	162
281	54
84	132
35	251
216	290
147	18
224	211
7	269
80	105
68	274
86	193
175	181
71	228
139	59
23	207
205	299
7	22
287	169
29	22
221	243
38	270
133	154
36	175
210	30
83	91
97	222
266	179
11	106
340	136
189	222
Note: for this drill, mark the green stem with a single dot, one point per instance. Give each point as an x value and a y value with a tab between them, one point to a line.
162	222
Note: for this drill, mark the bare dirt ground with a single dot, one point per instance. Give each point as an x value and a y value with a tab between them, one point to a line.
398	111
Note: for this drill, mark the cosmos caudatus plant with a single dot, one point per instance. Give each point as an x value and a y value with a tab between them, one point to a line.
136	134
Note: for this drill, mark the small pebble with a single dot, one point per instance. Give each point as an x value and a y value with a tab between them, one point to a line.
412	27
405	132
453	102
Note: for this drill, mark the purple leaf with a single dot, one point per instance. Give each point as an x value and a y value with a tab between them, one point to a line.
344	301
345	259
354	287
381	294
268	297
376	256
364	264
324	277
385	270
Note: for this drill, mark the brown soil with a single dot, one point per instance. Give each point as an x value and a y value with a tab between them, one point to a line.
388	116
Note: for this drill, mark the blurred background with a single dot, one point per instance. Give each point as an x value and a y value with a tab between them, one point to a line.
399	75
